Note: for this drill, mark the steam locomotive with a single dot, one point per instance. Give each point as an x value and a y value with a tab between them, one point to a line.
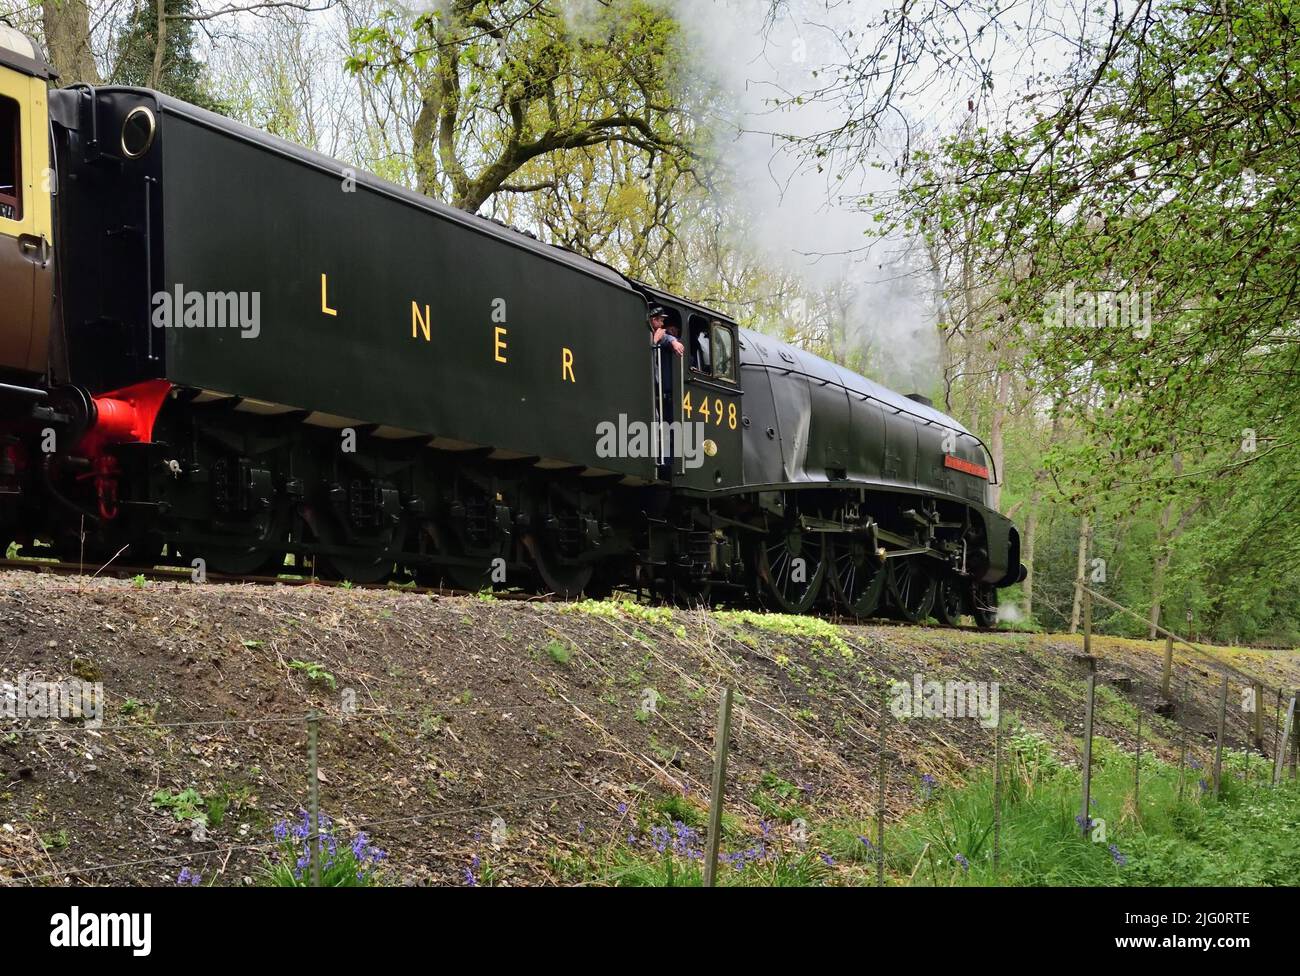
223	350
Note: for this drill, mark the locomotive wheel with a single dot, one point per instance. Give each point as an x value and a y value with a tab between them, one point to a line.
857	576
984	605
693	593
949	601
789	585
911	588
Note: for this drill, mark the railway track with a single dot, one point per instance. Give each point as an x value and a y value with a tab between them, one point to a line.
183	574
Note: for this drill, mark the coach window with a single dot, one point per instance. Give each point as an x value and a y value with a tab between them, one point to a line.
11	201
723	347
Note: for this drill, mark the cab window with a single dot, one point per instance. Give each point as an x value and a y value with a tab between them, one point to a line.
701	358
722	345
10	150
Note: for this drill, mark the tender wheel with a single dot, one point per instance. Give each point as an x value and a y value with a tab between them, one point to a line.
563	543
361	568
477	526
237	561
791	566
949	601
911	588
358	564
857	576
565	580
984	605
473	577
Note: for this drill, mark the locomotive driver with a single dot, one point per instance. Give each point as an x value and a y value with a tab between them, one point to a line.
660	337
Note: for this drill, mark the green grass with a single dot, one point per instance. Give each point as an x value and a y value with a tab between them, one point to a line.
823	634
186	805
785	870
1249	836
314	672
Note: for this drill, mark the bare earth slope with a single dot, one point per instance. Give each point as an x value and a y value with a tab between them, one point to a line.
463	732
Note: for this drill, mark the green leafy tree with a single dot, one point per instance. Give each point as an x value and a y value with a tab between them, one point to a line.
163	59
1150	209
502	85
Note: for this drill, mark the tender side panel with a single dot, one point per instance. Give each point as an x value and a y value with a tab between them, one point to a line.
376	310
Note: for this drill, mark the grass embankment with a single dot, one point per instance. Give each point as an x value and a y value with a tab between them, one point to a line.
1172	832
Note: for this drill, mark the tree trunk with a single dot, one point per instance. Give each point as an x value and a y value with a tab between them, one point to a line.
159	46
1027	550
1166	534
67	38
1159	568
996	441
1085	536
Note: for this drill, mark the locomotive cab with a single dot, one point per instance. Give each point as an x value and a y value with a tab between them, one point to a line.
26	218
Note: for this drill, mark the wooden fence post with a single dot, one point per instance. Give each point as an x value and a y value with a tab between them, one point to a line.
1087	621
313	796
881	774
1167	675
997	794
1257	689
722	737
1280	759
1218	743
1085	817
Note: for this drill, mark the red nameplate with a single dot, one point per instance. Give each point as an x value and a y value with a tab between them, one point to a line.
966	467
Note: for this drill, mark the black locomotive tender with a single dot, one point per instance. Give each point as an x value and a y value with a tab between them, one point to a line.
377	384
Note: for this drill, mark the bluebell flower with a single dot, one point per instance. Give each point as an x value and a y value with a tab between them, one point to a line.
961	860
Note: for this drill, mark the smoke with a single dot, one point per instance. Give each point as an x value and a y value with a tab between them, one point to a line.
814	219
